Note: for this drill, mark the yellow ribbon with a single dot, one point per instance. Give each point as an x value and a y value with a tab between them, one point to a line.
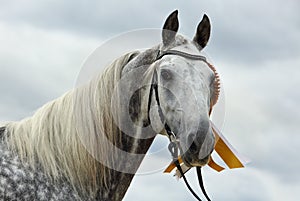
224	149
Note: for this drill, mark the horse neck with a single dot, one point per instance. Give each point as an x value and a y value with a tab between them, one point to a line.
134	144
137	134
66	124
120	180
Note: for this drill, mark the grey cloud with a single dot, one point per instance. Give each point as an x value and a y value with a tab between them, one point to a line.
242	31
36	67
92	18
263	116
255	44
255	32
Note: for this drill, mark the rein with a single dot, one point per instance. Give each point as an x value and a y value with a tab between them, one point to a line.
174	146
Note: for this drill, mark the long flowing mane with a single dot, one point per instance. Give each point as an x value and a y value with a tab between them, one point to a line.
52	138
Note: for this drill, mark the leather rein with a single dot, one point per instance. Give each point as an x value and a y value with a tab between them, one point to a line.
174	146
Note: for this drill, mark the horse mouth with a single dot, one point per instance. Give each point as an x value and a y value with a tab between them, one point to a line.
191	161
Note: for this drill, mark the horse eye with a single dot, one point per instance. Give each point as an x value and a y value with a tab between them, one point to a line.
166	74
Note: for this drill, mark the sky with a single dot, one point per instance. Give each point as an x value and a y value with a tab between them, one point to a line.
255	46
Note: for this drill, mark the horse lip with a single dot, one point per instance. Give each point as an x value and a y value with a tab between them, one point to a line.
197	162
186	162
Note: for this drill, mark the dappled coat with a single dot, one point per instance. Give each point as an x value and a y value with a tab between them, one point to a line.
19	180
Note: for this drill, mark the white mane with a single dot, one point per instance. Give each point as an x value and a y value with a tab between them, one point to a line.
50	139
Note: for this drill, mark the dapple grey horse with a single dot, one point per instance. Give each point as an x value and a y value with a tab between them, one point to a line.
88	144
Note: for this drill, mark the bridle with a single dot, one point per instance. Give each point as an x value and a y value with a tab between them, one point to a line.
174	146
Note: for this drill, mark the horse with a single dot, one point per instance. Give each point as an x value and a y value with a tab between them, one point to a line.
89	143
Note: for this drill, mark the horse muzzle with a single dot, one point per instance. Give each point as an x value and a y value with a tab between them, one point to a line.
191	160
198	151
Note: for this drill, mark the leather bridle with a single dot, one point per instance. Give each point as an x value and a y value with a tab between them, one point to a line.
174	146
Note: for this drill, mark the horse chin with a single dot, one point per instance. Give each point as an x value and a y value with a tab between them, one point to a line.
195	162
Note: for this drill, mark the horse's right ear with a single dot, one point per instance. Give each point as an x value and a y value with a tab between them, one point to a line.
203	32
170	28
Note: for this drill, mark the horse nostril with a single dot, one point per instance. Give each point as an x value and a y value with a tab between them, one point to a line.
193	148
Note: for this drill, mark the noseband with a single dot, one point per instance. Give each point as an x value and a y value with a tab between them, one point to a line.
174	146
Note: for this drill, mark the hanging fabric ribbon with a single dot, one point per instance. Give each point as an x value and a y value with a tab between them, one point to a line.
231	157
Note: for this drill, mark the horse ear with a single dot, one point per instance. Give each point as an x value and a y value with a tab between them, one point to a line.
203	32
170	28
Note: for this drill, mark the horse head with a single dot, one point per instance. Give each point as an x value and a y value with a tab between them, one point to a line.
186	90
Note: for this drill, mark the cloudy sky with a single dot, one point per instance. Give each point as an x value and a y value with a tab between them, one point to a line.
255	46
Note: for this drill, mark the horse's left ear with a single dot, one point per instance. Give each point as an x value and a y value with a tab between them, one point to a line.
203	32
170	28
